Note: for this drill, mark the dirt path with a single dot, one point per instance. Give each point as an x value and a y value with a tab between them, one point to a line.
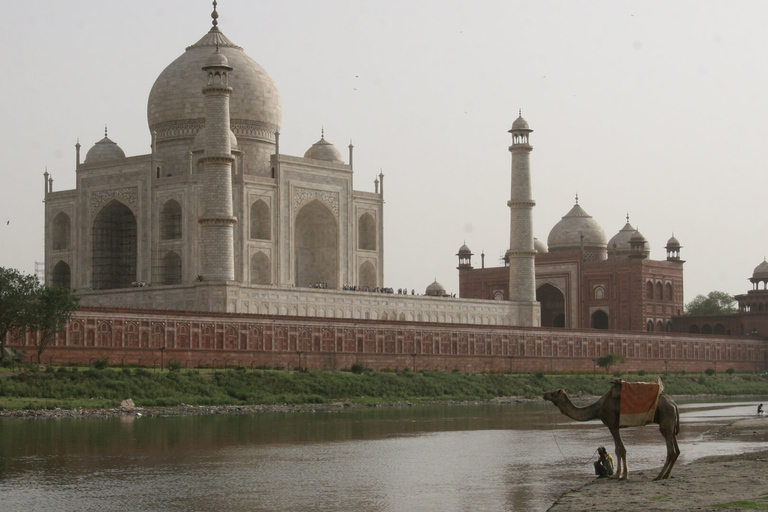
709	484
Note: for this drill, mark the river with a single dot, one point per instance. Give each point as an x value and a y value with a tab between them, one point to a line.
485	457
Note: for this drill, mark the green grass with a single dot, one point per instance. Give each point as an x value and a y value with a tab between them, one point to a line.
68	388
751	505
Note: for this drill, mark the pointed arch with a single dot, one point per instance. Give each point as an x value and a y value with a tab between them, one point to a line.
316	245
114	247
668	291
367	275
649	290
62	232
659	291
61	275
366	231
170	220
261	221
261	270
552	303
171	268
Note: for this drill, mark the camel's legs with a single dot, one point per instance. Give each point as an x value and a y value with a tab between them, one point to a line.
669	427
621	454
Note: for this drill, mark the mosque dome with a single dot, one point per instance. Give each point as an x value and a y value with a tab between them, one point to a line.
436	290
619	246
464	250
104	151
176	100
539	246
324	150
567	234
761	271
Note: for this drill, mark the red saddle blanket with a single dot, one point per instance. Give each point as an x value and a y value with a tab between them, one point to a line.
638	403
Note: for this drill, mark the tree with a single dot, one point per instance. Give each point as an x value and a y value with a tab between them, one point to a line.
714	303
17	293
609	360
50	313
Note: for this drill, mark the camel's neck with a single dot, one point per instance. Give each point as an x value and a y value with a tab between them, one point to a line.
587	413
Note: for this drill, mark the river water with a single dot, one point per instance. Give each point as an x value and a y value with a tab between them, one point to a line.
484	457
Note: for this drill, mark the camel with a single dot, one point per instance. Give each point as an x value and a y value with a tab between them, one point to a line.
607	410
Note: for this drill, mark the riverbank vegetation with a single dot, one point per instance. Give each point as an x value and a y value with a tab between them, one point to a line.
34	387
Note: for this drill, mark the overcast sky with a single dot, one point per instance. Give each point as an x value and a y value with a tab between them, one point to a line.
653	108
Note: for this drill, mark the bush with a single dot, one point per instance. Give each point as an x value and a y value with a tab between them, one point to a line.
641	373
709	371
357	368
730	371
174	365
100	364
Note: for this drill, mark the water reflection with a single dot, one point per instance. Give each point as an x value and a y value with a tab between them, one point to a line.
448	458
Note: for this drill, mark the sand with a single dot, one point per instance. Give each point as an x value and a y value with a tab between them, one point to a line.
711	483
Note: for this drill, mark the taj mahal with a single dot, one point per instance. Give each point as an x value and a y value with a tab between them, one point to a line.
216	219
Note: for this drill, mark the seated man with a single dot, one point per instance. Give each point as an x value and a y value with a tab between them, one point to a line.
604	463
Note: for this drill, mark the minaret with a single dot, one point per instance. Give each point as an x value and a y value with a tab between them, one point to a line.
217	260
521	255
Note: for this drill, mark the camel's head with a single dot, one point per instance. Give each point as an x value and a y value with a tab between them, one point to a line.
556	396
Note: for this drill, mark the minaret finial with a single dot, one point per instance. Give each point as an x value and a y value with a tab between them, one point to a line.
322	132
627	217
105	130
577	198
520	112
214	15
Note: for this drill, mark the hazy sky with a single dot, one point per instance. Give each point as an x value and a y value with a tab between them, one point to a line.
653	108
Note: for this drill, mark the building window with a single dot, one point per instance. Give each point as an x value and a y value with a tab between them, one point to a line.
599	293
649	290
366	230
261	221
170	221
61	232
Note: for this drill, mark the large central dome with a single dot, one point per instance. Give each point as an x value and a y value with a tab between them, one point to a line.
176	110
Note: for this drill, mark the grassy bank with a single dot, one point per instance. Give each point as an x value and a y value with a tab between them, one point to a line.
69	388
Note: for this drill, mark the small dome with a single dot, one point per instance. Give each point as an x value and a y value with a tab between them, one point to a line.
619	246
539	246
217	60
324	150
104	151
567	234
638	237
464	250
520	124
761	271
673	242
436	290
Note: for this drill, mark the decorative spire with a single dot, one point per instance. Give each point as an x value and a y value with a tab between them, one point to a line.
627	217
105	131
520	112
577	198
215	17
322	132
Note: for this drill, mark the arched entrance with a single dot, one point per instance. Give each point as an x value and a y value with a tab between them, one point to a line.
317	246
62	275
114	247
599	320
552	303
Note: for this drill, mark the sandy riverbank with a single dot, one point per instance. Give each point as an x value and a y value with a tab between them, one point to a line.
707	484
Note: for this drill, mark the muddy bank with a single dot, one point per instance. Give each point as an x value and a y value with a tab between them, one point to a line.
195	410
729	482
